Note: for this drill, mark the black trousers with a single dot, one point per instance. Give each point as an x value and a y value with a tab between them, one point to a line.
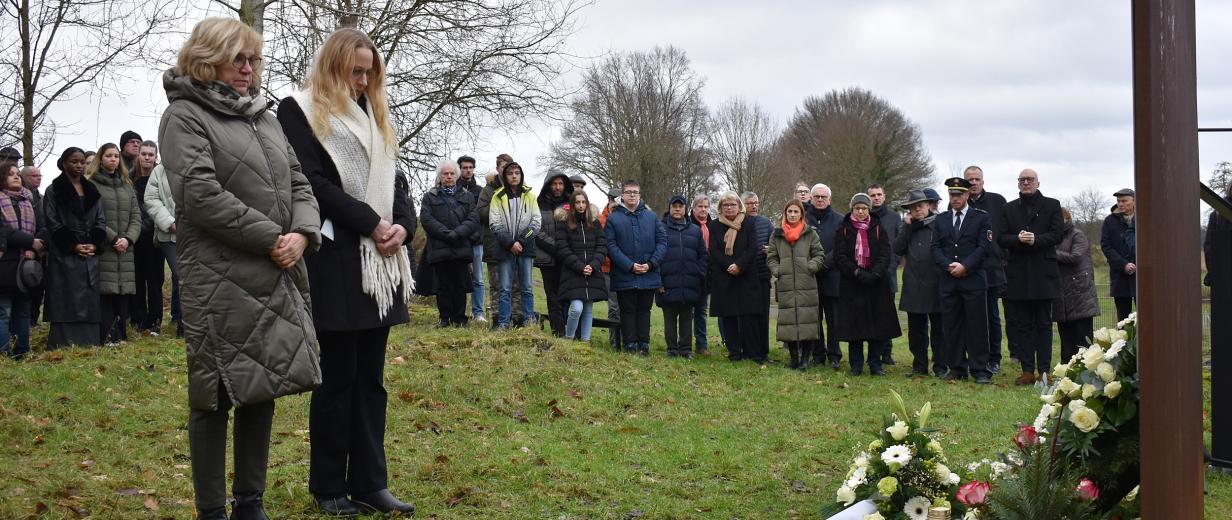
147	304
965	326
551	288
922	339
855	356
1124	306
1075	335
347	415
762	337
114	309
36	303
207	445
678	328
994	325
635	314
830	348
742	338
453	284
1029	324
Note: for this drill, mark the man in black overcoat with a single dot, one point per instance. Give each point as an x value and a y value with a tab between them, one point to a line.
822	217
1117	238
994	265
1029	230
961	241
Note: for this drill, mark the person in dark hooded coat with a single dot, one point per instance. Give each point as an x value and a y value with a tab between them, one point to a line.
489	245
555	194
581	249
862	251
683	277
76	231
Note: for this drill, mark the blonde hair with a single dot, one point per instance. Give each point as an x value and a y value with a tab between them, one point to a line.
97	161
329	83
730	196
216	42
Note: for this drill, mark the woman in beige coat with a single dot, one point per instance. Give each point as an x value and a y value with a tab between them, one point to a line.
245	215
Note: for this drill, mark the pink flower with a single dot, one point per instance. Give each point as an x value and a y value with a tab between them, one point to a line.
1087	489
973	493
1027	436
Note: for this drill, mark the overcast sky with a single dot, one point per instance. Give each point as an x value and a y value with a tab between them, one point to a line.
1044	84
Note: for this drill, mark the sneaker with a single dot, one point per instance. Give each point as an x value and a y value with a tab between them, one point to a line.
480	319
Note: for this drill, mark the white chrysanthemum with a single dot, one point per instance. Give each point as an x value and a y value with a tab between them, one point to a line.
934	447
952	479
1093	357
942	471
861	460
917	508
1114	350
999	468
898	431
1112	389
897	454
845	496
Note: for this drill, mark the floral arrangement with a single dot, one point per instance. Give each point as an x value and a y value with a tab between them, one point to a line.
1080	457
903	471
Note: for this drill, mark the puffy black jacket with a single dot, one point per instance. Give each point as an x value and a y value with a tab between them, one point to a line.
450	224
684	265
575	249
545	253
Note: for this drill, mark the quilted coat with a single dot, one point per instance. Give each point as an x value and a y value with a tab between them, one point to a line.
795	266
118	271
237	186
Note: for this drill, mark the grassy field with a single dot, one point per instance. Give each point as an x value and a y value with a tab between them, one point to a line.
511	425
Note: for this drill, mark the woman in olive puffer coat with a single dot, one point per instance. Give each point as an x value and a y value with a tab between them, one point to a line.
795	257
116	264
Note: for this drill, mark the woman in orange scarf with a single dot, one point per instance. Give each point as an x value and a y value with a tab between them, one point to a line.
794	259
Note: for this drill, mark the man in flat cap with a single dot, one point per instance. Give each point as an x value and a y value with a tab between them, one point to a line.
1118	239
578	182
1029	229
961	239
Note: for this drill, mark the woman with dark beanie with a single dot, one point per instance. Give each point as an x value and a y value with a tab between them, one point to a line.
862	256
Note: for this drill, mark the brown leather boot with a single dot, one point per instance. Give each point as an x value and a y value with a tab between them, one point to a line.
1025	379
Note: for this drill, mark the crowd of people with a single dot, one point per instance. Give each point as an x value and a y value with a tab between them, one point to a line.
285	235
834	276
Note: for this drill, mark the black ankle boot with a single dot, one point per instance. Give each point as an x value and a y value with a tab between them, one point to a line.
795	356
248	506
804	359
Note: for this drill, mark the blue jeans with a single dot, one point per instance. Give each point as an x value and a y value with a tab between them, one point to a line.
477	269
526	282
579	316
700	312
173	261
15	323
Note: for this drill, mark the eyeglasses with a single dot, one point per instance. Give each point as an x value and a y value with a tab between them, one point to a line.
1026	180
802	191
823	197
254	61
631	192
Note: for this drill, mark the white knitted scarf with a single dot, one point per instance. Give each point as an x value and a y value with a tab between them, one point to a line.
366	166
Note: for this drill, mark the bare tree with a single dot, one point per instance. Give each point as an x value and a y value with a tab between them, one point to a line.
742	139
1221	177
62	48
639	116
1087	209
851	138
453	68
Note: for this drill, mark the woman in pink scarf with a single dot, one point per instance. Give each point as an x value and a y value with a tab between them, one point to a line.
17	232
866	306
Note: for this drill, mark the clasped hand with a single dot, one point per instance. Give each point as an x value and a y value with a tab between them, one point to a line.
388	237
288	249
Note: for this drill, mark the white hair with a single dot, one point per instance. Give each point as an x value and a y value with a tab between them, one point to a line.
440	168
820	186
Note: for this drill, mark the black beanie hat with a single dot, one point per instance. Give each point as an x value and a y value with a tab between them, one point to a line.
129	135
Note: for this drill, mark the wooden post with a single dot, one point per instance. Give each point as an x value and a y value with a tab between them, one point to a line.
1170	330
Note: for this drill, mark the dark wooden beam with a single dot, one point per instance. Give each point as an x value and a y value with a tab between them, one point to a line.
1170	331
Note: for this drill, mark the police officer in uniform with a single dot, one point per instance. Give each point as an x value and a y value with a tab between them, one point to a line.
961	242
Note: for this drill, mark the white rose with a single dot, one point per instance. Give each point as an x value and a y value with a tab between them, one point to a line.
1076	404
1118	335
1102	337
1112	389
898	431
1093	357
1068	387
1105	372
1056	410
1060	370
1114	350
846	495
1084	418
1089	391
